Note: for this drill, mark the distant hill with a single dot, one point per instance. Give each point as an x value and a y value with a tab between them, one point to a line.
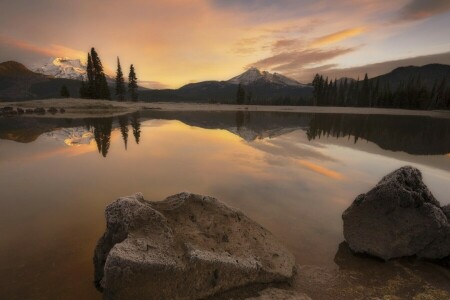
428	75
259	87
17	83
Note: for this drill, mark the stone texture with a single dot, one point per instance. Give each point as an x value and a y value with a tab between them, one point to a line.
185	247
398	217
279	294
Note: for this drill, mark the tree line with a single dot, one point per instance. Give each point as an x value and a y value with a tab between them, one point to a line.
96	86
412	94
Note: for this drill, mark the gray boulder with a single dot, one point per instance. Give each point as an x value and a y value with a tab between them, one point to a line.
398	217
185	247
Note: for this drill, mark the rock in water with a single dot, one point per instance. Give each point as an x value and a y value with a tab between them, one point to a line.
398	217
185	247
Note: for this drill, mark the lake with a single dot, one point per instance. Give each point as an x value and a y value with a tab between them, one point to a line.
293	173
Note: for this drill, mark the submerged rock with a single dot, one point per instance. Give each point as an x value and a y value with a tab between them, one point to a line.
185	247
398	217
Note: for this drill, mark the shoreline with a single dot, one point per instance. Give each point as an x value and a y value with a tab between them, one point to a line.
83	108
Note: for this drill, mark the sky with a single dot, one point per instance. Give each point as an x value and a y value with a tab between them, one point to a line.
175	42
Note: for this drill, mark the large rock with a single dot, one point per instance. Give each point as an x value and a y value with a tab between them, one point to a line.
185	247
398	217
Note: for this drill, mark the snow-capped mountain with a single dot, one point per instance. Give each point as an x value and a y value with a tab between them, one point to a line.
254	75
63	67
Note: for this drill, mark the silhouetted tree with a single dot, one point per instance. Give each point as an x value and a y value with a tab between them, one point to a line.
84	93
64	92
101	89
132	84
365	90
240	95
120	82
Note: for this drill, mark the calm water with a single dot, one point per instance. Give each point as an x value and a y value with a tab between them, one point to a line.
293	173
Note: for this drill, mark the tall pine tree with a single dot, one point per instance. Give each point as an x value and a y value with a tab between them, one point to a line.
90	89
240	96
132	84
120	82
99	81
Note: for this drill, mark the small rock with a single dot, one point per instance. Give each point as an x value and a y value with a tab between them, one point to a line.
39	111
52	110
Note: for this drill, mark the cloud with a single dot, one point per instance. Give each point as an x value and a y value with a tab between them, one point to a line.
337	36
53	50
421	9
152	84
290	62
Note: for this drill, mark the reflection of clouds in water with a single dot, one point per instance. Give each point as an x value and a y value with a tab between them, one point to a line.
293	145
294	149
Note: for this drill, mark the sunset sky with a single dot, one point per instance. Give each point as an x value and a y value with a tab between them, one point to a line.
174	42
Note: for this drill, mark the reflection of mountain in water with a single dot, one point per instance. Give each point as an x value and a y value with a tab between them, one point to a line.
74	136
411	134
248	125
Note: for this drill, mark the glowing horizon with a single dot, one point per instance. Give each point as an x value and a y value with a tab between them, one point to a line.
176	42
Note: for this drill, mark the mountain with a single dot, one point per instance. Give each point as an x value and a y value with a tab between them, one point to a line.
63	67
260	86
14	69
253	76
17	83
428	74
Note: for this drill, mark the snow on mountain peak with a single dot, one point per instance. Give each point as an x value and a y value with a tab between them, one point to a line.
63	67
253	75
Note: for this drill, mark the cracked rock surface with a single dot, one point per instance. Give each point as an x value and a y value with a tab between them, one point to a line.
398	217
186	247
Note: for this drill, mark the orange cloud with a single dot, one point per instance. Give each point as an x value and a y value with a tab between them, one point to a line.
337	36
53	50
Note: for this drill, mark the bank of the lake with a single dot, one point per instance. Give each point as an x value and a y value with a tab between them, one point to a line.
83	108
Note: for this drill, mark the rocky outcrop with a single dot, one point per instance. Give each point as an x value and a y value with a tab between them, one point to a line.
185	247
398	217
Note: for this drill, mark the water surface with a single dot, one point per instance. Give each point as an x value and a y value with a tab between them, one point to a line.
293	173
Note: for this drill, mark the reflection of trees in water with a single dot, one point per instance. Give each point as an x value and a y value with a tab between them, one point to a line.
101	128
136	125
242	119
123	122
414	135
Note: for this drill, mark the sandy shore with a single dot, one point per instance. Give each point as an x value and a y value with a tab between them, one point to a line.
79	108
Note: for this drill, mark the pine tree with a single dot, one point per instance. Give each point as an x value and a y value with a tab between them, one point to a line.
120	82
65	92
365	89
101	89
83	90
132	84
240	95
316	90
90	89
